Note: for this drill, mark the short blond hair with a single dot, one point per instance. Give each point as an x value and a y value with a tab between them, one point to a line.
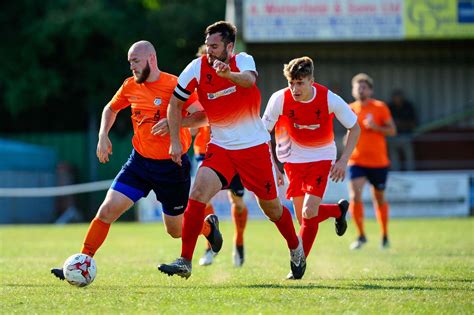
202	50
299	68
363	77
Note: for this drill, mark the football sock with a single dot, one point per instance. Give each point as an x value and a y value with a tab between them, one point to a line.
328	211
95	236
357	212
209	210
192	225
286	228
308	232
240	221
382	217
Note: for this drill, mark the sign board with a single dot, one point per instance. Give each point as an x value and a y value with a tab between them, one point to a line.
411	194
355	20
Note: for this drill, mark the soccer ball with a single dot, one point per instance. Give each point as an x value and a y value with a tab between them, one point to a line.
80	270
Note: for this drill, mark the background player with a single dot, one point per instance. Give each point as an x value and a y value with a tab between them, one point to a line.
369	161
302	115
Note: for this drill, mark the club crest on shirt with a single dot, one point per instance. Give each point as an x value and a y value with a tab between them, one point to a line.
157	101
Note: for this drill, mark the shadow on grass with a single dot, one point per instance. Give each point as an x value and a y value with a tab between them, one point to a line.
355	284
293	285
414	278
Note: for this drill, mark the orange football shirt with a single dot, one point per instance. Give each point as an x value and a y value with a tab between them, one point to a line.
201	140
149	102
371	149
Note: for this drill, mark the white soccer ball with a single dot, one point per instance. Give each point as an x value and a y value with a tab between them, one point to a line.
80	270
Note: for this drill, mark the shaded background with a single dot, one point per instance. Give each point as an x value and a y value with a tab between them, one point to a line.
62	61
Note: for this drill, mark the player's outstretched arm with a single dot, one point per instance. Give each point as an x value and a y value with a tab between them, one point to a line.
104	145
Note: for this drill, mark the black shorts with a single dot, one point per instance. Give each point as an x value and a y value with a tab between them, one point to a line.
376	176
236	186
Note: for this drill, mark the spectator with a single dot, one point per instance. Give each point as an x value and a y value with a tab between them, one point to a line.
401	145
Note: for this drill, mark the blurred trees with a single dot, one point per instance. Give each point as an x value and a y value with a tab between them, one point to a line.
62	60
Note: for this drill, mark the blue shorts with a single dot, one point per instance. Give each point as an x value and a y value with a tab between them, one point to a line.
376	176
169	181
236	186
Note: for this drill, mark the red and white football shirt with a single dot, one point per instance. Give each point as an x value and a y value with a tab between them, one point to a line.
233	111
304	130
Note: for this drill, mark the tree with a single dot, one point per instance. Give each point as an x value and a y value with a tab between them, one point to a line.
63	60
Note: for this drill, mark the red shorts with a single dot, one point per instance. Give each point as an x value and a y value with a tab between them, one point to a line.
307	178
254	166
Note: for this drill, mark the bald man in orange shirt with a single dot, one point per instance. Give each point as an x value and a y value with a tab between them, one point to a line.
149	167
369	160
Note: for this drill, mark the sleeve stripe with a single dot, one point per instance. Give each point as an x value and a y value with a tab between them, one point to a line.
182	98
183	90
181	93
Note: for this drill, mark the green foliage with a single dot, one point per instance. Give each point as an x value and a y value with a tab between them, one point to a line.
428	270
62	60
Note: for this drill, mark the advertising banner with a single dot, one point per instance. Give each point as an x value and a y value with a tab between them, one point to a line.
410	194
356	20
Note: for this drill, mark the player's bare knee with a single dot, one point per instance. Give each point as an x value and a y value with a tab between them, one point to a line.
199	193
273	212
309	212
174	232
107	213
356	198
238	207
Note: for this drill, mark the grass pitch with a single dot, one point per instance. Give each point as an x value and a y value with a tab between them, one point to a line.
429	269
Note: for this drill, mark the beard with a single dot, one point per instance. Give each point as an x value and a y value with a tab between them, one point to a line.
222	57
363	97
144	74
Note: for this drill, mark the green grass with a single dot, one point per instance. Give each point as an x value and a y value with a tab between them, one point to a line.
428	270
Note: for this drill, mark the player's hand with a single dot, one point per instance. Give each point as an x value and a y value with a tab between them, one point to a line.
369	123
222	69
104	148
280	177
176	151
160	128
338	171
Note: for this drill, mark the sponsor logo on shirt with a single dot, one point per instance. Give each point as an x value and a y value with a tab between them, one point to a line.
310	127
230	90
157	101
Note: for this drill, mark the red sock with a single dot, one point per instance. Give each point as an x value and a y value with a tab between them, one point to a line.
95	236
240	221
286	228
192	224
308	232
328	211
357	212
382	217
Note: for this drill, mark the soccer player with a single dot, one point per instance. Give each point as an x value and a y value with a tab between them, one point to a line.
302	115
225	83
369	161
238	208
149	167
